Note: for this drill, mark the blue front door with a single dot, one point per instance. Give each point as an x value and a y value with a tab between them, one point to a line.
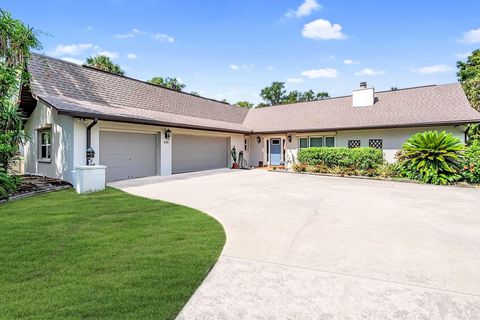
275	152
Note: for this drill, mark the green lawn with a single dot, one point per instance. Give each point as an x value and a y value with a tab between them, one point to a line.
107	255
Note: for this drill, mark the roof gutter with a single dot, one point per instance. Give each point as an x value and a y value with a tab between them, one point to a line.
396	126
148	122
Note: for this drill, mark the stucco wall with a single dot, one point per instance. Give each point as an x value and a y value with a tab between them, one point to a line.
62	140
393	140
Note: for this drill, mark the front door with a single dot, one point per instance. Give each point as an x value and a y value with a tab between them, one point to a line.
275	152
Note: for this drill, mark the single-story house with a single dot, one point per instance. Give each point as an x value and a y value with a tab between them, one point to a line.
138	129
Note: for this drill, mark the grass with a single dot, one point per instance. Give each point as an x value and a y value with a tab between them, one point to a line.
107	255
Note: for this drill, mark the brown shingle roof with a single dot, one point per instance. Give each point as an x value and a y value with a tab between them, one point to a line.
73	88
87	92
442	104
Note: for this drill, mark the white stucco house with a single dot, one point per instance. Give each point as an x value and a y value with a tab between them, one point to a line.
138	129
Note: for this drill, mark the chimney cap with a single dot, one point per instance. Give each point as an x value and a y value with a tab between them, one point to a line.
363	84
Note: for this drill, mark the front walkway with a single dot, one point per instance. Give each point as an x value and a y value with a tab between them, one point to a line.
310	247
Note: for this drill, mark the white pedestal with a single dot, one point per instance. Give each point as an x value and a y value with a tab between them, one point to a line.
89	178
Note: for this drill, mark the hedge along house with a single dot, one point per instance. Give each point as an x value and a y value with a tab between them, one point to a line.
138	129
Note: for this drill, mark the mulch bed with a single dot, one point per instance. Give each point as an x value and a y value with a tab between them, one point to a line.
404	180
32	185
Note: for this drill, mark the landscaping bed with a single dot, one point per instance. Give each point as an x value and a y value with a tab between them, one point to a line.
32	185
376	178
104	255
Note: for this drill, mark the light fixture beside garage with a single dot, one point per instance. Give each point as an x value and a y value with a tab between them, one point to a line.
168	133
259	139
289	137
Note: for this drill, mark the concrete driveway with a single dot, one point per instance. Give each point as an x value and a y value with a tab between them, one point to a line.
310	247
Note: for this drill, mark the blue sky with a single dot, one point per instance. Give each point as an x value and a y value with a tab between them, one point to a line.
232	49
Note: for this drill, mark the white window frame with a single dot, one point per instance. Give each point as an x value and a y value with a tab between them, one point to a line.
323	141
40	144
246	144
299	144
315	137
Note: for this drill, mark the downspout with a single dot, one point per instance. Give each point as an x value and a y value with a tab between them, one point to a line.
90	152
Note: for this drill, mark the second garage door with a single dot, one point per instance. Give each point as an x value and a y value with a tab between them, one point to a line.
195	153
128	155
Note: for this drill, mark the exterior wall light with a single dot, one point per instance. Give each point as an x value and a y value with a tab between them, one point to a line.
289	137
259	139
168	134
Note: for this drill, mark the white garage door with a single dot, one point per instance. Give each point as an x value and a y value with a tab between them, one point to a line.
193	153
128	155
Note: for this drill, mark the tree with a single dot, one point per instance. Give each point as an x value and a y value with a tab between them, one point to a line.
274	94
244	104
104	63
195	93
469	76
171	83
16	41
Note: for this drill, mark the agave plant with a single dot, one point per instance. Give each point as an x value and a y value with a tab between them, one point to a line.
432	157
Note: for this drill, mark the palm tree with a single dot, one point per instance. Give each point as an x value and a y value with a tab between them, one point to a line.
16	41
104	63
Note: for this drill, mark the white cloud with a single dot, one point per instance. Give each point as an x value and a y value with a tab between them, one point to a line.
439	68
73	60
270	68
320	73
321	29
471	36
350	61
295	80
71	49
123	35
243	66
131	56
463	55
163	37
305	9
89	28
369	72
110	54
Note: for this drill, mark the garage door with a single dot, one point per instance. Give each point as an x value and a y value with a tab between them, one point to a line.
128	155
193	153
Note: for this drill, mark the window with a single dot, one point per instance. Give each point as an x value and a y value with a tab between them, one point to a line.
44	144
354	143
375	143
275	141
245	144
319	141
316	141
329	141
303	142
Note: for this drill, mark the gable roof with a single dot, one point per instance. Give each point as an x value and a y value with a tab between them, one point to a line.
419	106
84	91
90	93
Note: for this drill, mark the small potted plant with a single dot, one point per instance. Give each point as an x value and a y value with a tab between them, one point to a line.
233	152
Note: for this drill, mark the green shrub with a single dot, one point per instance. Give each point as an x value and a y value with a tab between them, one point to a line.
432	157
389	170
471	163
352	159
8	184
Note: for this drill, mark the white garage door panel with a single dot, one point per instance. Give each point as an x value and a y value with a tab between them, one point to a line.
194	153
128	155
